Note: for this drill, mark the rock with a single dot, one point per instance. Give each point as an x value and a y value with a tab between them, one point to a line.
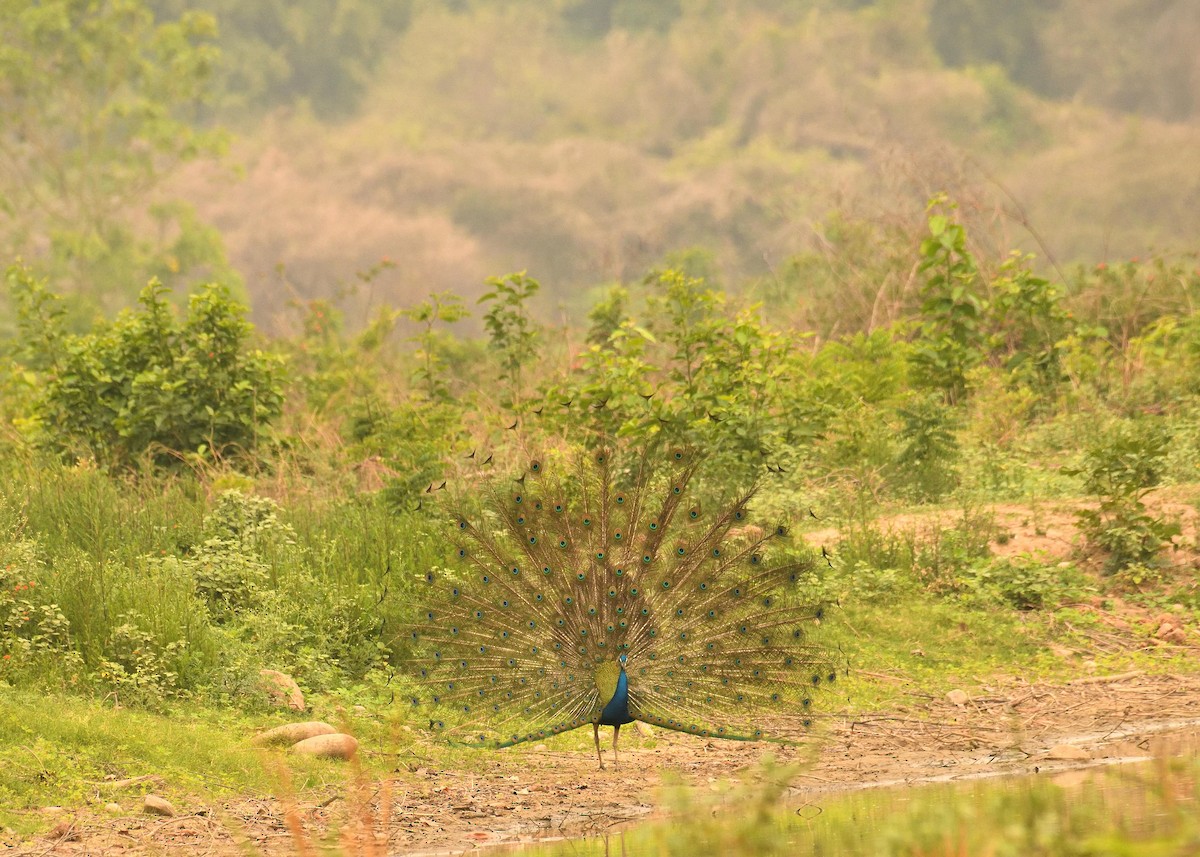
1068	753
958	697
52	810
1171	634
282	689
1165	619
541	748
64	831
290	733
336	746
643	729
113	808
154	805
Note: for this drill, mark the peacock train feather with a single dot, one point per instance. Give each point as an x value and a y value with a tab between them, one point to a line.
607	596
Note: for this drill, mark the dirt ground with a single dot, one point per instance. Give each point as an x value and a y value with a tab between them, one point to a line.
1006	726
522	796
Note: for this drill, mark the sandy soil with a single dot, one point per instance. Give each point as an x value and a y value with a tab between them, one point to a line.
1007	727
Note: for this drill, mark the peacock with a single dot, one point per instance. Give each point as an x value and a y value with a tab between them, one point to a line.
606	595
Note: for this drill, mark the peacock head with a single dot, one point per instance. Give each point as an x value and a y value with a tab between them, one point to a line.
622	658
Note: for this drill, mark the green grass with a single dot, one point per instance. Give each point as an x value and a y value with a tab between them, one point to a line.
59	750
1142	811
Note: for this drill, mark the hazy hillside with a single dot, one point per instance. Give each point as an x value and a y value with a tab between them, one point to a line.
586	140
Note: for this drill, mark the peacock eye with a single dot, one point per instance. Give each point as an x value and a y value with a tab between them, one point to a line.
535	466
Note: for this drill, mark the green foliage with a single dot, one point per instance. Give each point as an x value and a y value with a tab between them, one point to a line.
513	334
320	54
95	95
1028	322
429	374
952	333
607	314
1024	582
929	449
413	440
147	385
1119	471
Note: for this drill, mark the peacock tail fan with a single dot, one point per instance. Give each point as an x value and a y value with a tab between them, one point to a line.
565	572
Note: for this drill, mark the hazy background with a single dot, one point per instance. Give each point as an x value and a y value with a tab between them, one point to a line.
589	140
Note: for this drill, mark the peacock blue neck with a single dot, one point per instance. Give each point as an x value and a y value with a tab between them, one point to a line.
616	710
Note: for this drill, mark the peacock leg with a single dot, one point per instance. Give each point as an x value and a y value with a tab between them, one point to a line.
616	734
596	735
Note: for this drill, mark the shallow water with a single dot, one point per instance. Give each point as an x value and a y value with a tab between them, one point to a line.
1134	806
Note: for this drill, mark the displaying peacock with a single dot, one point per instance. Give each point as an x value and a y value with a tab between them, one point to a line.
607	595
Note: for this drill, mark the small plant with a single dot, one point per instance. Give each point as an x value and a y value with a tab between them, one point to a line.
926	460
952	334
940	554
1119	471
136	668
512	332
1025	582
429	374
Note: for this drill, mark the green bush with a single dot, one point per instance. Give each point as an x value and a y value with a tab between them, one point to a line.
147	387
1119	470
1024	582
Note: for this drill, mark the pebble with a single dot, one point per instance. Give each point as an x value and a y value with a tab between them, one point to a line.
114	808
958	697
64	831
154	805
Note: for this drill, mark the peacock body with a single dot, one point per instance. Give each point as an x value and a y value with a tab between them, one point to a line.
606	596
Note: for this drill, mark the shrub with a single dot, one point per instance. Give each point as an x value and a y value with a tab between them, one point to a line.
1025	582
1119	470
147	385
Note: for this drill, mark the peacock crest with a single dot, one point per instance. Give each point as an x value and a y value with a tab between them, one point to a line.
605	595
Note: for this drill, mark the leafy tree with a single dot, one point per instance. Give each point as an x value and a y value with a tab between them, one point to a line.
319	53
146	386
92	104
